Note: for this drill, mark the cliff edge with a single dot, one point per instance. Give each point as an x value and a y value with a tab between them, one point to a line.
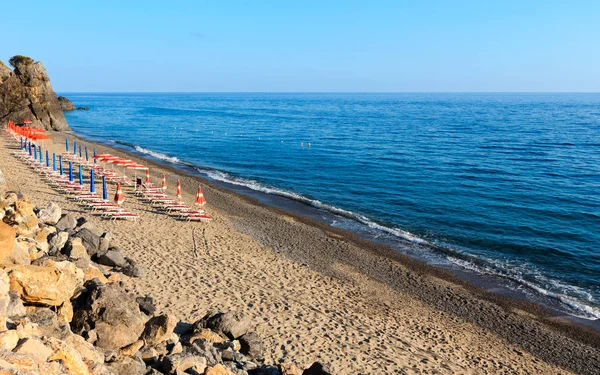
26	94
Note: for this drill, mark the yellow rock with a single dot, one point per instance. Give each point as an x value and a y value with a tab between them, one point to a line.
35	348
130	350
66	311
87	350
208	335
26	328
71	358
18	361
9	339
114	278
7	241
94	273
43	285
289	369
217	370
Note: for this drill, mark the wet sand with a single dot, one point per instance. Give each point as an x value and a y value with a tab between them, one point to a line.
320	293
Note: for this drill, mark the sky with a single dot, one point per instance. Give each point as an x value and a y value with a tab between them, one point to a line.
310	46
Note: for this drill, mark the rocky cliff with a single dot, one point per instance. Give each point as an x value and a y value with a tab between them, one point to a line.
26	94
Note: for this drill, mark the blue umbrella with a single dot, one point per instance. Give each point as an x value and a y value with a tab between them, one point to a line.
54	162
104	192
80	175
47	160
86	154
34	152
95	161
92	190
41	155
29	146
70	171
61	168
67	143
80	154
21	144
74	147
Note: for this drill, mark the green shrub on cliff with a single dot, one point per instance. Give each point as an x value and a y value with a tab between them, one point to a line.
20	59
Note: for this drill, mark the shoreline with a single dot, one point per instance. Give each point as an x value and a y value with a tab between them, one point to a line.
523	323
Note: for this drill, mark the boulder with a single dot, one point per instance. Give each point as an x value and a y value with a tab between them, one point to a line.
7	241
316	368
87	350
131	350
50	215
128	366
252	346
289	369
24	217
89	226
9	339
15	306
34	347
112	313
24	250
43	285
158	329
177	363
70	357
113	258
65	311
92	272
48	322
232	324
75	249
4	297
89	239
26	94
57	242
206	334
146	305
65	104
132	269
105	240
218	370
66	223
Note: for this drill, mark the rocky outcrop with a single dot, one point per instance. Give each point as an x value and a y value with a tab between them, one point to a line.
26	94
66	104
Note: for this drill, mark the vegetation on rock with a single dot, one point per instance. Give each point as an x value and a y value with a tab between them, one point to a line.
17	60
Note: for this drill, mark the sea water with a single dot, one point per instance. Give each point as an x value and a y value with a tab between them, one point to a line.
504	185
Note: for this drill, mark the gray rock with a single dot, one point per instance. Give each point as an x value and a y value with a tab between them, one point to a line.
67	222
48	322
264	370
316	368
57	242
91	227
228	355
252	346
65	104
90	241
113	258
15	306
146	305
173	363
50	215
105	242
132	269
128	366
232	324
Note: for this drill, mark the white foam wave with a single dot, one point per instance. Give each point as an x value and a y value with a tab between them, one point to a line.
158	155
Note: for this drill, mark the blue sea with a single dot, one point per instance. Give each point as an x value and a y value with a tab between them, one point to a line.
503	187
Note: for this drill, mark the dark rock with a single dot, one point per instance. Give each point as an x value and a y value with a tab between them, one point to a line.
232	324
316	369
90	241
65	104
48	321
174	363
113	258
265	370
132	269
128	366
112	313
252	346
81	221
83	108
67	222
158	329
26	94
146	305
105	242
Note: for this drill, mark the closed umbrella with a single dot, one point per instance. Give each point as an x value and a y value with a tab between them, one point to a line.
47	159
70	171
54	162
34	152
200	201
164	182
74	147
86	154
148	176
61	168
67	143
104	192
80	175
179	190
95	161
92	189
80	153
119	197
41	156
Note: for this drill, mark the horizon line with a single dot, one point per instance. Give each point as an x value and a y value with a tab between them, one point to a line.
328	92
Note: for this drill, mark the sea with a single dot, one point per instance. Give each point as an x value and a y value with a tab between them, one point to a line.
500	188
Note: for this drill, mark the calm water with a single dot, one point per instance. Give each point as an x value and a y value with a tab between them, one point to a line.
500	184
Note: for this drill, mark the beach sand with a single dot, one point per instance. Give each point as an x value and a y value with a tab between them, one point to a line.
316	293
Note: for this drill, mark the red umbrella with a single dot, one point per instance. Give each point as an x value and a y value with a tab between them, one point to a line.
200	201
179	190
164	182
147	176
119	197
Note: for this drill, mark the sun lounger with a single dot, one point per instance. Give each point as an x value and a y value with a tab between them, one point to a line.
124	216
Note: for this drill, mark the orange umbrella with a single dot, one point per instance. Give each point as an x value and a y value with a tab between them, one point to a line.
164	182
119	197
148	176
178	190
200	201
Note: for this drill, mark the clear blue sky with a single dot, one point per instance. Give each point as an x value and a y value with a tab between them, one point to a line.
309	45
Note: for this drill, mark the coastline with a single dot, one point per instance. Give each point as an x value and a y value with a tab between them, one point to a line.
345	257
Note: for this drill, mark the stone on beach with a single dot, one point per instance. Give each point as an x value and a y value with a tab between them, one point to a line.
89	239
158	329
252	345
57	242
66	223
232	324
75	249
42	285
113	257
316	368
50	214
7	241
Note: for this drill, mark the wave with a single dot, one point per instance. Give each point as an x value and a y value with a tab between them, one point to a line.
145	151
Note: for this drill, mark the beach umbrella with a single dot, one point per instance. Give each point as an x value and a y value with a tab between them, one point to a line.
34	152
136	167
74	147
67	143
80	153
21	144
41	155
29	144
104	192
92	190
164	182
119	197
179	190
200	201
61	168
80	175
47	160
54	162
70	171
86	154
95	161
147	176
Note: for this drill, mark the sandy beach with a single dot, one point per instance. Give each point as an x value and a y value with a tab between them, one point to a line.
320	294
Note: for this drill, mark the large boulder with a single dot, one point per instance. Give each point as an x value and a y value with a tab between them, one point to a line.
113	257
90	240
128	366
7	241
232	324
75	249
26	94
252	346
158	329
43	285
57	242
65	104
50	214
316	368
66	223
113	314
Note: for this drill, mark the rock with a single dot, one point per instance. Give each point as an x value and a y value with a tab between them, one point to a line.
57	242
265	370
114	314
5	298
232	323
228	355
289	369
22	252
146	305
65	311
25	217
89	226
34	347
71	358
26	94
50	215
208	335
218	370
173	363
158	329
26	328
176	349
15	306
90	241
149	355
75	249
105	240
9	339
130	350
128	366
113	258
87	350
5	72
48	322
252	346
132	269
66	223
43	285
92	272
316	369
7	241
65	104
